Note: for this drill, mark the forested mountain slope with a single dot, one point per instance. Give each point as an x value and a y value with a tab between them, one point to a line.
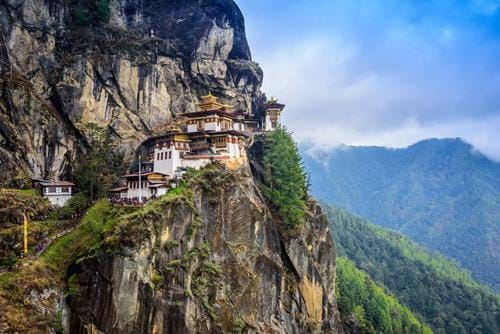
440	193
438	291
374	310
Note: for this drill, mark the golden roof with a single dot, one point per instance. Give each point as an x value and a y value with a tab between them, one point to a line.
209	103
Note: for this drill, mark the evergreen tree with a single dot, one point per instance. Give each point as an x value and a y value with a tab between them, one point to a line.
100	169
285	179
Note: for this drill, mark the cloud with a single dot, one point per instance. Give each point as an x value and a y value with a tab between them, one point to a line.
487	7
479	133
384	73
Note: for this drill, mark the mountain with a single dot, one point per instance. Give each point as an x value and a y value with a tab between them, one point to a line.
436	290
441	193
128	66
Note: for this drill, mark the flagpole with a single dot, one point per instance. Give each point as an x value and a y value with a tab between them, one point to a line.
140	180
25	233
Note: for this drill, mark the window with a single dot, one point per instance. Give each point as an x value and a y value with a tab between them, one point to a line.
65	189
161	156
220	141
170	155
158	156
52	189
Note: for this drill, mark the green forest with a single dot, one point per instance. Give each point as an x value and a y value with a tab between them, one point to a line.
375	310
436	290
439	192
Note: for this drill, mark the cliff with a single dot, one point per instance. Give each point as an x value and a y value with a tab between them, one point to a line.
212	256
209	257
127	65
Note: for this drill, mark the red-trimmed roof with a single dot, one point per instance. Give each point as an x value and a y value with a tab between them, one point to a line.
56	184
220	112
206	156
158	185
118	190
225	132
142	174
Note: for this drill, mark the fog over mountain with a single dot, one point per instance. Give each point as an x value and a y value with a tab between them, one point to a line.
441	193
386	73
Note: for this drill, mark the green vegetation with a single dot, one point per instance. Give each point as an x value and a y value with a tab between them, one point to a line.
436	290
100	169
50	269
14	203
84	241
103	10
440	193
73	208
89	12
375	310
81	17
285	182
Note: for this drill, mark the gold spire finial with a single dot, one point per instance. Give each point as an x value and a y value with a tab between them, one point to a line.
209	103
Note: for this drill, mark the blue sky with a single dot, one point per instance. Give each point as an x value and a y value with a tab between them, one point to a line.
384	72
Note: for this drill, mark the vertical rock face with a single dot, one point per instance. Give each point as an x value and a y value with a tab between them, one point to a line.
62	67
215	263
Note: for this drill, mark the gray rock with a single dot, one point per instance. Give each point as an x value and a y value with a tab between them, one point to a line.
152	61
218	264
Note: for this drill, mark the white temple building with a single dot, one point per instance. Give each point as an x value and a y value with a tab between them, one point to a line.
213	132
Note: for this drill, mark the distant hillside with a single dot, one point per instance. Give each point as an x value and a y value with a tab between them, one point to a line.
436	290
440	193
374	309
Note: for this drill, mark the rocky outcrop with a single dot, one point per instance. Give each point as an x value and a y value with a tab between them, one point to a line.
130	69
212	261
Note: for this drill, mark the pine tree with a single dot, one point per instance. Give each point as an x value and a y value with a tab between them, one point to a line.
285	179
100	168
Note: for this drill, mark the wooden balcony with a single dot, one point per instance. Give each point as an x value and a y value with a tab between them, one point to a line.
199	146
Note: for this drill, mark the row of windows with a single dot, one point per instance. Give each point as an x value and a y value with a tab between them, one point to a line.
220	141
135	184
166	156
54	190
168	144
225	124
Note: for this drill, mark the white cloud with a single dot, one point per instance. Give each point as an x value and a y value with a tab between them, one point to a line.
481	134
352	74
487	7
335	96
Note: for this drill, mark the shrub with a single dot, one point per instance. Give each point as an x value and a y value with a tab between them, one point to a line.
78	203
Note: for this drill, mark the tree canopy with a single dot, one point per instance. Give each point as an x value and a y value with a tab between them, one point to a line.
435	289
285	182
100	168
374	309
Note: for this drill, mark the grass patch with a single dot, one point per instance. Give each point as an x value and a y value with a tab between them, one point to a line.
84	241
48	273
